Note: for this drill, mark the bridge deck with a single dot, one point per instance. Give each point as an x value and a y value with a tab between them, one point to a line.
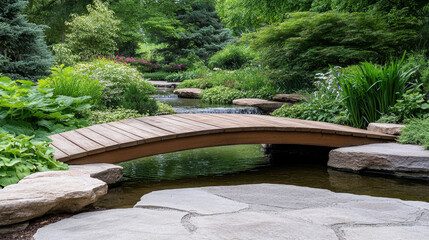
133	138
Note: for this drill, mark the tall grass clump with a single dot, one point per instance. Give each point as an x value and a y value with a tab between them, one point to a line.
370	90
67	82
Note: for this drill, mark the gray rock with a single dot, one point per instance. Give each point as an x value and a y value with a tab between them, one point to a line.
387	233
274	212
264	105
47	192
13	228
387	128
164	84
108	173
399	159
188	92
252	225
290	98
191	200
132	223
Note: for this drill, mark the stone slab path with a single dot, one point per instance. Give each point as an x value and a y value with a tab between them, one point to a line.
165	84
258	211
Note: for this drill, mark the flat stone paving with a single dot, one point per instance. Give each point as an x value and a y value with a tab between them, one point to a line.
257	211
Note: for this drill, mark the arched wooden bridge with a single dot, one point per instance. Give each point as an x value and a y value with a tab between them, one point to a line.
134	138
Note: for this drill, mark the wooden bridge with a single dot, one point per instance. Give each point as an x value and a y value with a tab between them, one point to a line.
134	138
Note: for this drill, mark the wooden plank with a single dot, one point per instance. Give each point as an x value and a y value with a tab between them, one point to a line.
108	143
288	122
146	136
208	119
83	142
181	129
251	119
67	147
121	139
242	125
60	155
192	122
149	128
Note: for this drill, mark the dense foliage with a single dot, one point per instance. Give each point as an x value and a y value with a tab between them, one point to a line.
113	114
67	82
23	52
232	57
21	155
369	91
308	42
31	110
417	132
94	33
221	94
115	78
133	99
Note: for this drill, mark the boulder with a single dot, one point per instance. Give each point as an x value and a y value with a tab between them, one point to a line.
48	192
188	92
108	173
399	159
386	128
264	105
290	98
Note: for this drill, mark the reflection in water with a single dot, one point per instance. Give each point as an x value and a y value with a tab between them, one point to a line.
197	162
246	164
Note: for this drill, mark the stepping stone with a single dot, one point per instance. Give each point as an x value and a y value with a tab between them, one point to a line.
188	92
399	159
264	105
164	84
290	98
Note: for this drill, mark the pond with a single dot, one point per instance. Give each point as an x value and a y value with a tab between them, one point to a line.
245	164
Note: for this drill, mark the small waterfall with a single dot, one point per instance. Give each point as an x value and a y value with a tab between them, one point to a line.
236	110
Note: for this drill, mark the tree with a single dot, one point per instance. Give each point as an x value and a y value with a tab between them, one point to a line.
23	52
94	33
205	33
248	14
143	21
308	42
54	13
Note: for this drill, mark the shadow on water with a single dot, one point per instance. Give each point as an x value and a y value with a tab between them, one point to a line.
249	164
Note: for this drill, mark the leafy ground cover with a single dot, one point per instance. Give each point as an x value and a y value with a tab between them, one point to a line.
22	155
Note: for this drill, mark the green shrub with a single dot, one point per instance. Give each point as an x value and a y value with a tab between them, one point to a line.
31	110
133	99
115	79
221	94
21	156
232	57
412	104
195	83
65	81
417	132
164	109
94	33
156	75
321	110
370	90
113	115
308	42
420	61
180	76
63	55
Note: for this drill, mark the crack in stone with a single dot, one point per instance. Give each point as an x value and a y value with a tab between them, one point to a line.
187	224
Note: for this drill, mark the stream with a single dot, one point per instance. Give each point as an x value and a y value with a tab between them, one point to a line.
244	164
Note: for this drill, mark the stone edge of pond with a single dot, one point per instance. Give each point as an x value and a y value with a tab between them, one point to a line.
56	192
401	160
